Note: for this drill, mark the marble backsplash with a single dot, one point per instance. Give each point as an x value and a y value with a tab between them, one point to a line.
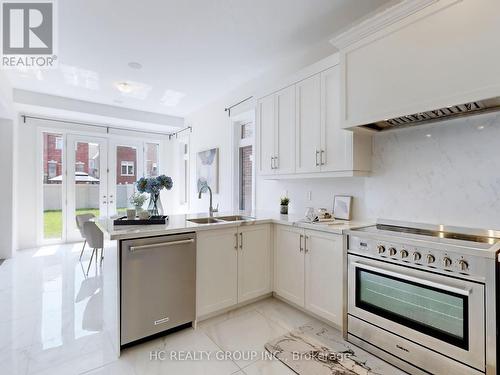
442	173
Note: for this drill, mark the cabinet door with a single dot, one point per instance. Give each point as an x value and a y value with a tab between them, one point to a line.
266	118
285	131
336	143
216	270
308	98
254	262
324	275
289	264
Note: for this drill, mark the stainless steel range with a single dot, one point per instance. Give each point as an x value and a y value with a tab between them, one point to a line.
423	297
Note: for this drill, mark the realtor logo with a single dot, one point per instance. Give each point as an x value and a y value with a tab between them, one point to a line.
28	34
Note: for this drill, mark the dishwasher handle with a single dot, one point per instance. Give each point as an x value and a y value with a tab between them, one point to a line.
153	245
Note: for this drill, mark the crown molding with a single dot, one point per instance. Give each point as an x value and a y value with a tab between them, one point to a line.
379	21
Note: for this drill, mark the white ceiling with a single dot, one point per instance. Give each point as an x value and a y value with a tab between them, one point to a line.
200	48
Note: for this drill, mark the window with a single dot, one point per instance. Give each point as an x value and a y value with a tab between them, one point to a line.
151	157
79	166
245	135
52	168
128	168
183	184
59	143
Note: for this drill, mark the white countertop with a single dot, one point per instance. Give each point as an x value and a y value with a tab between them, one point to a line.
180	224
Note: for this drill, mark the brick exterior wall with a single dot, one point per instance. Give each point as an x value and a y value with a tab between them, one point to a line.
246	178
51	154
124	153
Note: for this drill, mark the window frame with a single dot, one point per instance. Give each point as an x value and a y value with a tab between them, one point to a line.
127	164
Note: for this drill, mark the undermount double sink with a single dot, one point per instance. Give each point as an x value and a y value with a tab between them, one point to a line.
220	219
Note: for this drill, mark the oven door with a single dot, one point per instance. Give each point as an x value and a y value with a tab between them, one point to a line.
441	313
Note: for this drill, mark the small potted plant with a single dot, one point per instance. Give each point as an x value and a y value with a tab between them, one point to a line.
137	200
284	205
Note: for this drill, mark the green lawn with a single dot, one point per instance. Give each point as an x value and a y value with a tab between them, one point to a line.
52	221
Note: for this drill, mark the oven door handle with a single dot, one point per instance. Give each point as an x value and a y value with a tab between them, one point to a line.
451	289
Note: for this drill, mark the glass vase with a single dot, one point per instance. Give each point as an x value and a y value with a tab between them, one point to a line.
155	208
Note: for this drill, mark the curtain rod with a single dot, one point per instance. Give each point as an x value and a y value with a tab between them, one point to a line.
228	109
107	127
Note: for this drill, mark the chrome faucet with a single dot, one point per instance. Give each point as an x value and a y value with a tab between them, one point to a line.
211	209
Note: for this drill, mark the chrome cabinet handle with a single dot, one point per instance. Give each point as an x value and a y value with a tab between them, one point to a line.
276	164
272	160
241	240
306	250
153	245
321	157
236	238
300	243
317	163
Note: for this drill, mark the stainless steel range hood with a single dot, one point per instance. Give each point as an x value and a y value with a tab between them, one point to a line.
467	109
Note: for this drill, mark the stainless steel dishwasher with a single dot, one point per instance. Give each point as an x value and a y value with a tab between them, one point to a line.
158	285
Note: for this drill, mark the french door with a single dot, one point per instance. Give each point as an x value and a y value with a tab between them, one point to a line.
87	180
88	174
126	166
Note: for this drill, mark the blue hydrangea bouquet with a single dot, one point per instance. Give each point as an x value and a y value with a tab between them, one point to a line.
153	186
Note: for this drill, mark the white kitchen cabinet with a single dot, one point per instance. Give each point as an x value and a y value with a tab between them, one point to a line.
284	135
289	263
324	275
443	54
308	125
254	261
309	270
276	126
266	136
232	266
336	143
216	270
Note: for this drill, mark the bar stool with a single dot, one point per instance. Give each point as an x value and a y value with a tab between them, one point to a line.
80	219
95	239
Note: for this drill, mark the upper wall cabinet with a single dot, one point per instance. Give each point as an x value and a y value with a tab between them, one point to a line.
424	55
276	139
299	133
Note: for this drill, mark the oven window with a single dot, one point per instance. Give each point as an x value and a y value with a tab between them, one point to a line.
438	313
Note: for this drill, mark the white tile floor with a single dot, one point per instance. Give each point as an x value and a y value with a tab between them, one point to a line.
51	323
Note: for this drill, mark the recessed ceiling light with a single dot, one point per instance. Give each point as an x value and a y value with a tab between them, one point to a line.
134	65
171	98
428	135
480	127
124	87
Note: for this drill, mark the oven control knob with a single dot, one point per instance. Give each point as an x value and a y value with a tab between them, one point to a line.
463	265
381	249
430	258
404	253
417	256
447	262
392	251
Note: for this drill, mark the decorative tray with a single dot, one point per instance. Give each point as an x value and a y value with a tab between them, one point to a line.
152	220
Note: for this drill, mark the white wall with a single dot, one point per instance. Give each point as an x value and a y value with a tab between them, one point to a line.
7	141
451	177
212	126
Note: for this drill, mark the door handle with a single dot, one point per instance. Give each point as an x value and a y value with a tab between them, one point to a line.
272	162
276	163
241	240
321	157
236	241
153	245
317	163
306	250
300	243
